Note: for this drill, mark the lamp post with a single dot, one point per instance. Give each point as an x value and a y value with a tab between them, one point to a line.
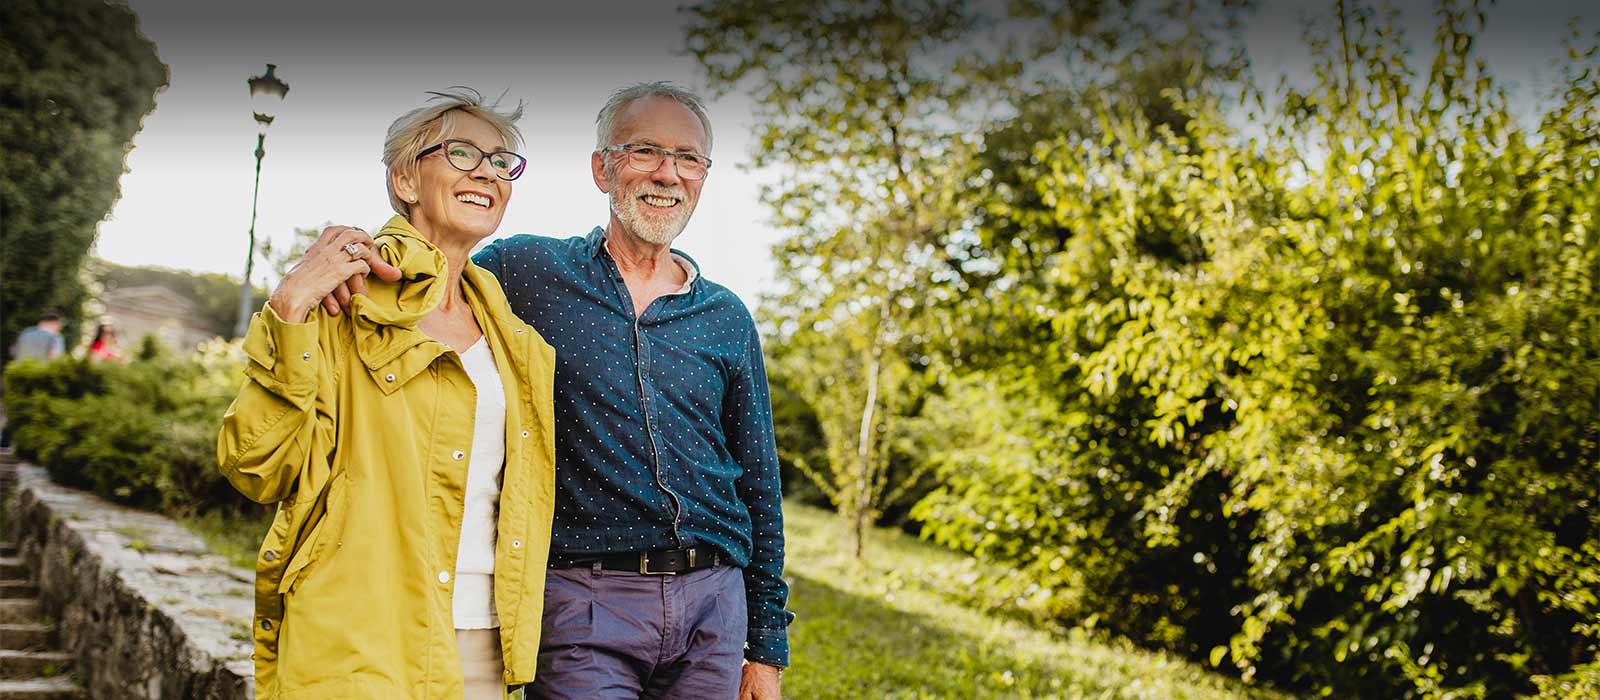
265	92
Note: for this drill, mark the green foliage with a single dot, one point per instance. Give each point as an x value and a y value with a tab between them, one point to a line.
848	107
1336	381
78	79
798	433
1298	382
1582	683
215	296
142	434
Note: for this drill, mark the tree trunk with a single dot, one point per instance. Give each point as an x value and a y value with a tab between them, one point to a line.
864	453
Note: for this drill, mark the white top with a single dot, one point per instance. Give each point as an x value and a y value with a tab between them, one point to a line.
474	592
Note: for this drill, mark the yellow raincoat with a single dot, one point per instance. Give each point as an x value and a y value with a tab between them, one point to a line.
360	427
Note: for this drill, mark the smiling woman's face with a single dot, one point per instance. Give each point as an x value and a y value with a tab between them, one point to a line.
449	203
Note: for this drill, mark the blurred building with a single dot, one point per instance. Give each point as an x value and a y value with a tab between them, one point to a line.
154	310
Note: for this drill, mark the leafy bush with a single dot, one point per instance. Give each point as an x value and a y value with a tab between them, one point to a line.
800	443
1314	401
1299	381
142	434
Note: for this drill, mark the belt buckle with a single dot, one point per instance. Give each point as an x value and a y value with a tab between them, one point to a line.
644	566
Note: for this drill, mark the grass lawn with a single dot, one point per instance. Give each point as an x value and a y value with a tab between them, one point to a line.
872	631
878	631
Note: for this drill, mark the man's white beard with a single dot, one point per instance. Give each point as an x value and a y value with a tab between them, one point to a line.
629	211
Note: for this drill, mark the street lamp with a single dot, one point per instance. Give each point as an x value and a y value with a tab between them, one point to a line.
266	91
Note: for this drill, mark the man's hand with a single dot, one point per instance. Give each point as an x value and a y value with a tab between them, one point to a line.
760	682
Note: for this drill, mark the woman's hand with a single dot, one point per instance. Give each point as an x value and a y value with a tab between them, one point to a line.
327	264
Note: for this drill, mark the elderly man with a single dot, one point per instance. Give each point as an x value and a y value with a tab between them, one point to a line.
667	553
668	543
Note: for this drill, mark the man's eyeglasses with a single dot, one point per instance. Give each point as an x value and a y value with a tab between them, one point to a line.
464	156
647	159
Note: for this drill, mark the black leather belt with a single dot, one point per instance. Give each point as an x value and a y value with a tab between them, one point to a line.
663	562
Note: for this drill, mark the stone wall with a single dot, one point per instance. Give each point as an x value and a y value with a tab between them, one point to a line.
146	609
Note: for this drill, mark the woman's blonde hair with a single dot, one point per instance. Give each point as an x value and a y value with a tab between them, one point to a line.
425	125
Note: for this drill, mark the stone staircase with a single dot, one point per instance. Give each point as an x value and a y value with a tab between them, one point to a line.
31	666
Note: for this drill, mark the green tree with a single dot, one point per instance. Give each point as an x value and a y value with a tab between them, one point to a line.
1299	381
854	108
77	78
1336	378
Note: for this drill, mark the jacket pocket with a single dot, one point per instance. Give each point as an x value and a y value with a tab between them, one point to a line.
328	528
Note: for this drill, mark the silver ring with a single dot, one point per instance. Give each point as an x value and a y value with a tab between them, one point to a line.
354	250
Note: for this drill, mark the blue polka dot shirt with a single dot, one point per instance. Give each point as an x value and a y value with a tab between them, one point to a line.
663	423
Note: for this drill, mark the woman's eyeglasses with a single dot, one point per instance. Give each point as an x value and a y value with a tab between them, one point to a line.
464	156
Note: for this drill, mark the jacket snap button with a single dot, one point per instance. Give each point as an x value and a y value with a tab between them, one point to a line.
519	331
266	625
269	555
388	377
516	543
444	577
305	356
458	454
524	433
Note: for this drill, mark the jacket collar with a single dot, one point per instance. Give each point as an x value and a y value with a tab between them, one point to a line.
386	317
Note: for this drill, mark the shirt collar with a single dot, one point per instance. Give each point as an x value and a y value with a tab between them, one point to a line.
596	242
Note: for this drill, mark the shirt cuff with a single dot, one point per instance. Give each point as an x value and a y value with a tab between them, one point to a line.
767	646
283	355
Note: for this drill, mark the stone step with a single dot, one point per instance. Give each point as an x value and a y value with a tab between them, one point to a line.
18	588
18	610
22	665
8	550
12	568
59	688
23	636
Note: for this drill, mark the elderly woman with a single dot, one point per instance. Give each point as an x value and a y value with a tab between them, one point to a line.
407	443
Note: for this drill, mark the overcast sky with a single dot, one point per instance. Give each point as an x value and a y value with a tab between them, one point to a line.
353	68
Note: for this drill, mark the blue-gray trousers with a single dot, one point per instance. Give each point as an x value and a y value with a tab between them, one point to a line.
613	635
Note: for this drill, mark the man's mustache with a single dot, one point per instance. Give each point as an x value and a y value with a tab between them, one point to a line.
660	191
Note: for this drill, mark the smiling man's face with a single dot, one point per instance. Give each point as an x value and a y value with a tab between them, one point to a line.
653	206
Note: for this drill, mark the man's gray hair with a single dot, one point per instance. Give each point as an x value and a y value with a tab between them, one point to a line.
605	122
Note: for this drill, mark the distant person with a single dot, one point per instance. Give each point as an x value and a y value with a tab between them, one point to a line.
666	571
408	442
41	341
105	347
